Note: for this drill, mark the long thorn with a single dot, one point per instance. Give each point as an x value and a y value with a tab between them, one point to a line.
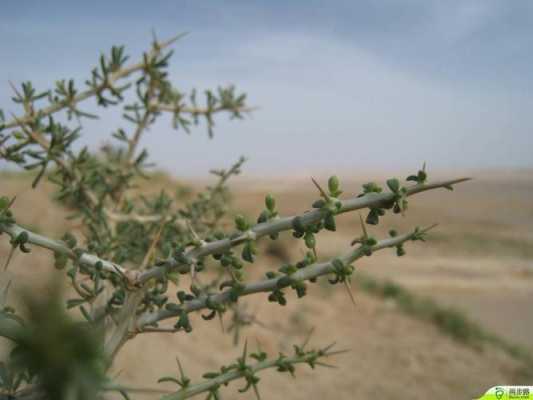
11	252
349	290
425	230
308	337
221	322
323	364
322	192
182	374
173	39
334	353
363	227
328	347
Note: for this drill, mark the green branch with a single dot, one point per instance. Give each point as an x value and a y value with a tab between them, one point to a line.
275	226
268	285
242	370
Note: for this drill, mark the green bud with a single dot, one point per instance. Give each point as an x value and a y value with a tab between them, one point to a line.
400	251
329	223
184	323
288	269
241	223
310	240
270	274
196	290
277	296
238	274
284	281
372	217
263	217
394	185
69	240
270	202
248	252
4	202
419	178
371	241
226	260
297	224
273	236
334	186
235	263
181	296
300	287
371	187
298	234
319	203
60	261
22	237
337	264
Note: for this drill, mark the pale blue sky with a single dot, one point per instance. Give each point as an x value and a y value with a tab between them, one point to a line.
341	85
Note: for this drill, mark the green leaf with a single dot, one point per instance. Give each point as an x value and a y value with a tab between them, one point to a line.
394	185
241	223
334	186
71	303
329	223
168	379
270	202
310	240
372	217
297	224
248	252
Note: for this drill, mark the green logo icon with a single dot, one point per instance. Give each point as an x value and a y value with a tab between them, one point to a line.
508	393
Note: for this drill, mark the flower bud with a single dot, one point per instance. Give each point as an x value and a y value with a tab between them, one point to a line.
270	202
333	185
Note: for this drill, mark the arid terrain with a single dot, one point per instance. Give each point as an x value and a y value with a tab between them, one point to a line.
479	260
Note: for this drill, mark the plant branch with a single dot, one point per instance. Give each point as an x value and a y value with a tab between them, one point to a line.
138	278
113	78
58	246
282	363
268	285
283	224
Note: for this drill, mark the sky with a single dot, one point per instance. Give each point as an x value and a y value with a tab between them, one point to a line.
340	85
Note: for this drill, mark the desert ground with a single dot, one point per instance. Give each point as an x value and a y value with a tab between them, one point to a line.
479	260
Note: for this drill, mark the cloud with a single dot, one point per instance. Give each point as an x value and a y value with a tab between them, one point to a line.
349	86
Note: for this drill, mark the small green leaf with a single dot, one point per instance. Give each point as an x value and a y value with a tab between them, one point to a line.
71	303
329	223
270	202
334	186
394	185
241	223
